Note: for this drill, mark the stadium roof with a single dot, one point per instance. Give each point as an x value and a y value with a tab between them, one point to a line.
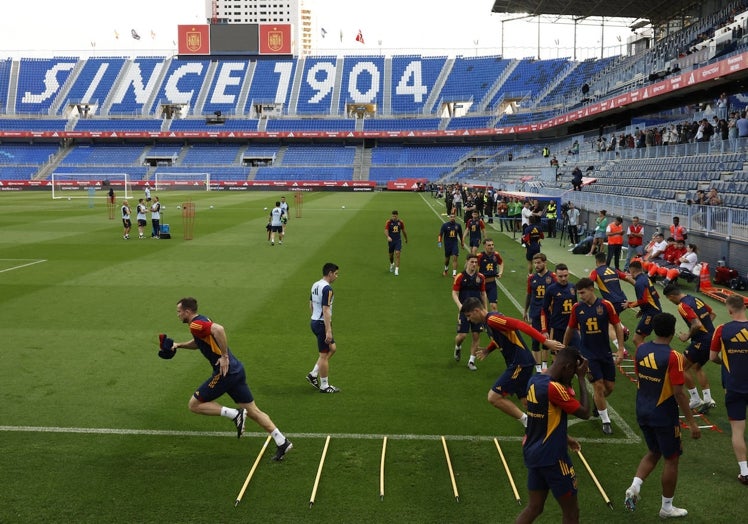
656	11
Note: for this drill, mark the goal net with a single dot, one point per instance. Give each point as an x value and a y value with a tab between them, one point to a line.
90	185
198	181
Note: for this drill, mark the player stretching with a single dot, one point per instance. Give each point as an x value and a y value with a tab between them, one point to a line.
393	229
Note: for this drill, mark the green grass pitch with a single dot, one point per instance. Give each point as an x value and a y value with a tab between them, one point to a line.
95	427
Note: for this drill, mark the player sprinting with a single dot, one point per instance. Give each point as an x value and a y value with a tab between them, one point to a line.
228	375
394	230
504	333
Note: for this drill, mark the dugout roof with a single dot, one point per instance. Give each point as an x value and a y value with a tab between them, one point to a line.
657	11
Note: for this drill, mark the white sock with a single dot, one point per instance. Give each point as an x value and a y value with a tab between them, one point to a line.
604	415
544	365
278	437
315	371
323	383
538	368
615	343
694	394
707	395
229	412
743	468
523	419
472	359
667	503
458	347
454	272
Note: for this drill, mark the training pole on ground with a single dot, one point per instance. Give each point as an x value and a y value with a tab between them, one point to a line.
188	219
508	473
594	479
451	473
251	472
381	469
319	472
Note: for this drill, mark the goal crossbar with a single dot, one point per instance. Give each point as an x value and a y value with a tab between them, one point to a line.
90	185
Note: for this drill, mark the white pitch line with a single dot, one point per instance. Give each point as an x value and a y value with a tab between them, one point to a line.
350	436
22	265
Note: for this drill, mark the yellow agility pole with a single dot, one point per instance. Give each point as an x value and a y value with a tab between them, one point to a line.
381	470
508	473
319	472
251	472
594	478
451	473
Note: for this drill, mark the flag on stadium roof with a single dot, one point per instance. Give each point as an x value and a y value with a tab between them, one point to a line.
153	34
134	34
360	37
323	32
116	34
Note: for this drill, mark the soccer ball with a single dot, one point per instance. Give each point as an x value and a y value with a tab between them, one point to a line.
179	207
264	209
211	207
342	207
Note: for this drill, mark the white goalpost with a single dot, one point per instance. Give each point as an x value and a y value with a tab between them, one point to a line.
90	185
200	181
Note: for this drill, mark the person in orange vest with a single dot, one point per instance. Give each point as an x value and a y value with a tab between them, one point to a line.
635	233
677	231
614	232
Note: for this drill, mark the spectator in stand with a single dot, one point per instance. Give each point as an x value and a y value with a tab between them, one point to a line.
722	106
576	179
742	125
713	200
